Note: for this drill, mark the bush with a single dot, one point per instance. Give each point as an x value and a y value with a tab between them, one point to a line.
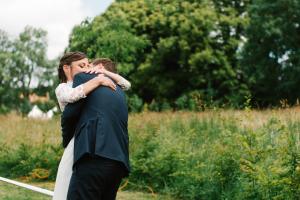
24	106
191	101
46	106
213	158
39	163
135	104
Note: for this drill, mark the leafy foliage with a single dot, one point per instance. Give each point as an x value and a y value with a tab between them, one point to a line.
212	155
22	61
271	54
170	48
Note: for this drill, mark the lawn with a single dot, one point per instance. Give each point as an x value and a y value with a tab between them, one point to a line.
216	154
12	192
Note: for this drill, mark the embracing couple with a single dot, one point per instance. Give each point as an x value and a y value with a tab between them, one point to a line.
94	129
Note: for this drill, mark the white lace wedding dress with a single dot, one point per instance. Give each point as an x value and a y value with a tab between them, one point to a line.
66	94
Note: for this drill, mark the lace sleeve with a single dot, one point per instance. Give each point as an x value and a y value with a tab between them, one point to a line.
66	94
124	84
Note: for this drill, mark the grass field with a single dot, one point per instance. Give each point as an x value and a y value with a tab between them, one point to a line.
216	154
15	129
11	192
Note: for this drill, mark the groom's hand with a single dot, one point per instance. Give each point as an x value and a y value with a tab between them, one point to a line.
106	82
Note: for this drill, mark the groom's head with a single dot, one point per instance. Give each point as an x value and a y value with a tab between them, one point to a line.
71	64
107	63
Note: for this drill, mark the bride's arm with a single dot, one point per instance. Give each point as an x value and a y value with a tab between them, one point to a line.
67	94
120	80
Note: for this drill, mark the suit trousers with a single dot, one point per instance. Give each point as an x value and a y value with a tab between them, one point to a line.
95	178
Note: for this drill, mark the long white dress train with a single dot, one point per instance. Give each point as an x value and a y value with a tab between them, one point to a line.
64	173
66	94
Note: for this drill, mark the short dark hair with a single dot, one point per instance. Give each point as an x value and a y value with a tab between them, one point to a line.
108	64
67	59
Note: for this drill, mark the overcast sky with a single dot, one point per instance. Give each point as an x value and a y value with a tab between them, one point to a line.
57	17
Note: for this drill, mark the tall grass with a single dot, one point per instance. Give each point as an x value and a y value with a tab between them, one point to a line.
218	154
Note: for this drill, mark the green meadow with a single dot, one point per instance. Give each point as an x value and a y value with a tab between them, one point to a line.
216	154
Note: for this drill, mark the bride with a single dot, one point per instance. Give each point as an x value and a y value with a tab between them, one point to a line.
66	94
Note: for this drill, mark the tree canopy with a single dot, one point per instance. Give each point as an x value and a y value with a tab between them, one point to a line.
271	57
180	54
21	60
171	49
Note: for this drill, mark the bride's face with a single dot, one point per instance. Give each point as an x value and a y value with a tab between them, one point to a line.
79	66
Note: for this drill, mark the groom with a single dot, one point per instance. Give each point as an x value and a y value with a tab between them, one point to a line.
101	158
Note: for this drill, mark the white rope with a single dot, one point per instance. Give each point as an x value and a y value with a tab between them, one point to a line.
30	187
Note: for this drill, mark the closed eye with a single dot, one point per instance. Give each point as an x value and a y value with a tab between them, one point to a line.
82	65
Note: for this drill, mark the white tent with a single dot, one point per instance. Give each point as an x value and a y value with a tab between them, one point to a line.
37	113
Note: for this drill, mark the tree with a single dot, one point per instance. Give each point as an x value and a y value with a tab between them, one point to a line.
109	38
271	58
5	78
29	56
170	48
21	61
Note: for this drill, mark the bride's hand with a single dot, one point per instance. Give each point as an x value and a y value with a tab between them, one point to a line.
106	82
94	70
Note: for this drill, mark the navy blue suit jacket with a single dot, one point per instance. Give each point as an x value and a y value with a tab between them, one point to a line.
99	123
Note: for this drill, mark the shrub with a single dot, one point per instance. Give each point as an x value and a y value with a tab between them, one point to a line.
135	104
39	162
191	101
